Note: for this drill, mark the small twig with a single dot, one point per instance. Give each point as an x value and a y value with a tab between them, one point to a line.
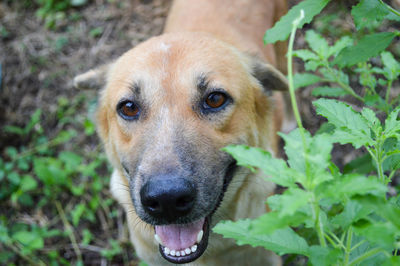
69	228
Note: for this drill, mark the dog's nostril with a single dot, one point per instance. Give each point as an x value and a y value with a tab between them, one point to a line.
184	202
153	204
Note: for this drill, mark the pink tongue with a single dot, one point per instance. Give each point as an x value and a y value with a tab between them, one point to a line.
179	236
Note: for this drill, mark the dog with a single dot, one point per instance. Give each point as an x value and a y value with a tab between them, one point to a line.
168	107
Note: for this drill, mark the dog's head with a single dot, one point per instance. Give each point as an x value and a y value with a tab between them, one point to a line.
169	106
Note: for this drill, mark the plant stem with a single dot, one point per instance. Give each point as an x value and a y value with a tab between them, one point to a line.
348	245
365	256
394	11
69	228
23	256
388	91
318	223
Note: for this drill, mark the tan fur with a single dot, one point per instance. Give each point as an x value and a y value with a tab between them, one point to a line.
213	38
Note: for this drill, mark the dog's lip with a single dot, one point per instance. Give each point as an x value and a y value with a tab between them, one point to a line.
202	245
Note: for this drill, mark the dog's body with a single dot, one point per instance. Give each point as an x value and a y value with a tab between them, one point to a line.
169	106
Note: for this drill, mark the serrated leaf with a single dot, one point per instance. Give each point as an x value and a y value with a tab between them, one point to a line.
385	230
353	211
362	165
283	241
351	127
327	91
340	45
304	80
392	67
276	169
392	125
324	256
352	185
283	27
272	221
369	46
366	11
335	75
292	200
317	43
373	122
318	151
305	55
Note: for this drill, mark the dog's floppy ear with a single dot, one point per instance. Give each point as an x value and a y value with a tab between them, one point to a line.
269	77
92	79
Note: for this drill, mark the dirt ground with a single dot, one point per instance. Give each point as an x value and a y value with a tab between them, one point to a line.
39	64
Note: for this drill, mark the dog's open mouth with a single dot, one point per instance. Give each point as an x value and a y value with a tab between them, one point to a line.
183	243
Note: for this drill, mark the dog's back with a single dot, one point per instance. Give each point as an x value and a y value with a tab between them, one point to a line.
241	23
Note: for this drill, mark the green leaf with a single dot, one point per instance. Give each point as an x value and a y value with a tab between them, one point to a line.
392	67
283	27
361	165
305	55
28	183
340	45
292	200
324	256
276	169
353	211
327	91
270	222
352	185
351	127
373	122
282	241
366	11
317	43
35	119
304	80
71	160
392	125
381	233
29	239
14	130
318	157
77	212
14	178
369	46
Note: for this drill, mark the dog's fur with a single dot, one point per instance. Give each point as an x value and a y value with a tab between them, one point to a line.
207	44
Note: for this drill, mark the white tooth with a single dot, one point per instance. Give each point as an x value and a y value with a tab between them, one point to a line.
199	236
188	251
173	252
158	239
193	248
166	250
178	253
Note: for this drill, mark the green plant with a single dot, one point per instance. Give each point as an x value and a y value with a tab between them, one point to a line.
52	11
59	189
330	216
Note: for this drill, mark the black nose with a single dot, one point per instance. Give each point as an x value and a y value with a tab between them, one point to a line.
168	197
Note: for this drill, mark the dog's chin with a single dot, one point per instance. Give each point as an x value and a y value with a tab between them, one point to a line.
184	243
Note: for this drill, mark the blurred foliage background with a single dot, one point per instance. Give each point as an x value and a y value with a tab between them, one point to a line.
55	207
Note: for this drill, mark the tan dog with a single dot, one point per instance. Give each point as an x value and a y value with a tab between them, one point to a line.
169	106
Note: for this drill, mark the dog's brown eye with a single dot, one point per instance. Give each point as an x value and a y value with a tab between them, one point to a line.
128	110
215	100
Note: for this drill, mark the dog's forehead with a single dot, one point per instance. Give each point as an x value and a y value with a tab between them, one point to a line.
174	64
